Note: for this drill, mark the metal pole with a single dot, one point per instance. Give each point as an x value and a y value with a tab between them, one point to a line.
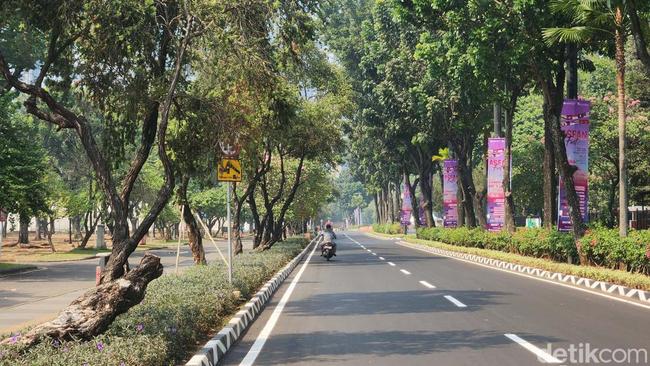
229	241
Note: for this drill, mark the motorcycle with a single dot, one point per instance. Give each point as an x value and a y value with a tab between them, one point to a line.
327	251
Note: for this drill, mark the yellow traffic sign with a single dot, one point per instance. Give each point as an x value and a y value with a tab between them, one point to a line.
229	170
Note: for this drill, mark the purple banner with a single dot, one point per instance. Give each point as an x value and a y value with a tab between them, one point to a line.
575	124
450	193
405	212
495	195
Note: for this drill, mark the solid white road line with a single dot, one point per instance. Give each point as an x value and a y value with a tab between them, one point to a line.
405	271
454	301
392	264
541	355
382	258
427	284
254	351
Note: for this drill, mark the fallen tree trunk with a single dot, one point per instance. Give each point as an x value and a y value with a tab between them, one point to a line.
93	312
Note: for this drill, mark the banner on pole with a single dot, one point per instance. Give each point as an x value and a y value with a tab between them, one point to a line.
495	194
575	125
405	212
450	193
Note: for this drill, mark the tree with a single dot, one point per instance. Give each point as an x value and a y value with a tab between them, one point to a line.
82	58
23	167
589	18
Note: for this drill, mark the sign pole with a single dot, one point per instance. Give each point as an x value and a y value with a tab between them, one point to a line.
229	240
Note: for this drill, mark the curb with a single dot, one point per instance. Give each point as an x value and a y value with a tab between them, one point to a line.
17	270
219	345
593	285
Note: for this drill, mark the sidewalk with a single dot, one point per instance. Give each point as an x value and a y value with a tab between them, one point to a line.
38	296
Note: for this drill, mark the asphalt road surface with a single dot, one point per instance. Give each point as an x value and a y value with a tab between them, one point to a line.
37	296
380	303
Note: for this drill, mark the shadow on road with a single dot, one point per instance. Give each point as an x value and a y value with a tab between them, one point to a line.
327	346
391	302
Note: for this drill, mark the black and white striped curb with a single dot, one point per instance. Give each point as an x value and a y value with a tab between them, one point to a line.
606	287
217	347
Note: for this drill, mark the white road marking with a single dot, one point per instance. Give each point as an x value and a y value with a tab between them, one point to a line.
382	258
531	277
541	355
374	253
254	351
369	251
427	284
405	271
392	264
454	301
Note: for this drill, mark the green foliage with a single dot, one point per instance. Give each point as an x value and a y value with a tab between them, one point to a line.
602	247
632	280
391	229
23	164
178	312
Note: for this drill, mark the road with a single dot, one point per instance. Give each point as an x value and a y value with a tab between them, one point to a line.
37	296
381	303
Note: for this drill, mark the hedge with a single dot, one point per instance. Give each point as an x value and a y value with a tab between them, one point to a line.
601	247
177	313
391	229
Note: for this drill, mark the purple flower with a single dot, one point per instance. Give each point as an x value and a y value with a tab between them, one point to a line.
172	330
56	343
122	363
65	349
100	346
139	327
15	338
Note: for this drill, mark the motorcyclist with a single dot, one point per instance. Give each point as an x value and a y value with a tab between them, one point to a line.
328	237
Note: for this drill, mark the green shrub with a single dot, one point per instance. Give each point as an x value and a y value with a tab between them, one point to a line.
601	247
177	313
392	229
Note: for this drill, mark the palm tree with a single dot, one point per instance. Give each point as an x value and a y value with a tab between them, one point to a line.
593	18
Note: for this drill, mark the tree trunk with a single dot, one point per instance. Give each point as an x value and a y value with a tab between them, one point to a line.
52	228
611	219
552	111
425	183
48	236
414	202
509	201
622	160
23	233
391	202
194	233
37	225
397	199
377	212
550	190
76	227
468	190
92	313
